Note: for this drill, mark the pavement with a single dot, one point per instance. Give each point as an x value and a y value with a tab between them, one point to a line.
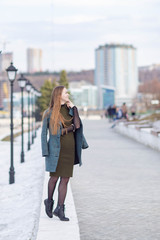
116	191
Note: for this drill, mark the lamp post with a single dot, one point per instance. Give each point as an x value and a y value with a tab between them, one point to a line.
28	88
38	94
32	96
22	82
35	94
11	71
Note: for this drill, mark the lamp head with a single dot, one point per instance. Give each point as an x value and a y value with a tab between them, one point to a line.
28	86
22	81
11	71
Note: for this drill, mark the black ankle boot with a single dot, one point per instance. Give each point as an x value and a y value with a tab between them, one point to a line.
49	207
59	212
56	211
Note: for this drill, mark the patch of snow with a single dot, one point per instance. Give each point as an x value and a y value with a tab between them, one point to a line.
20	202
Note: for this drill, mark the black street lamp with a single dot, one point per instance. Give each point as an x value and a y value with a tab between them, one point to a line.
34	102
11	71
22	82
32	96
28	88
35	98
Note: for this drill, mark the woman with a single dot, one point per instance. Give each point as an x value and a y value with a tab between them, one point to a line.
63	149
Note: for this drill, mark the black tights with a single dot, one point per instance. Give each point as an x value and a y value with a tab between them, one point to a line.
62	188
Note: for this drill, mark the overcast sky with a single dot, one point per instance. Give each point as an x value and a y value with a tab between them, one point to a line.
68	31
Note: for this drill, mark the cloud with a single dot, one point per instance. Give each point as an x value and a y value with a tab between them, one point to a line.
25	3
101	3
77	19
68	31
73	3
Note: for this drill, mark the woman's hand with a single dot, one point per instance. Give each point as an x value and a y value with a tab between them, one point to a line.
69	104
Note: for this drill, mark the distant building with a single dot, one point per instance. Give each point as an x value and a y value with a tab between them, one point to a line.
84	94
150	67
116	67
5	60
34	60
107	96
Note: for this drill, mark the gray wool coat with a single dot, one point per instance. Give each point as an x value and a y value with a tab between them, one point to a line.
51	147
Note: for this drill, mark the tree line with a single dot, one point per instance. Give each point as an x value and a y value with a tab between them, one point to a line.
43	101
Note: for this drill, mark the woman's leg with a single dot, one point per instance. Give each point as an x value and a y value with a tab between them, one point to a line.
62	191
51	186
49	202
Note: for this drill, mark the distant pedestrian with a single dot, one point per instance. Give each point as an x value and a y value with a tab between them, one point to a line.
113	111
109	111
133	111
125	111
119	115
63	149
106	112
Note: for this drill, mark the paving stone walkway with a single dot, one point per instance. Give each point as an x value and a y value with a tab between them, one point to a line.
117	189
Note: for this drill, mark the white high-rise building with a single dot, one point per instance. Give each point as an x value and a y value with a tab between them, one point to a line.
34	60
116	66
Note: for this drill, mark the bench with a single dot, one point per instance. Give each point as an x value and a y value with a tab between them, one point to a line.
138	127
135	123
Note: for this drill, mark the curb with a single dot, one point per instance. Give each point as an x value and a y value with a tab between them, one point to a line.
50	228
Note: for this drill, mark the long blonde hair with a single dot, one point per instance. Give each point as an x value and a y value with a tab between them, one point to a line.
55	105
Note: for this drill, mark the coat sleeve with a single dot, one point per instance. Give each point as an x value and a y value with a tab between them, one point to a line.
84	143
44	144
